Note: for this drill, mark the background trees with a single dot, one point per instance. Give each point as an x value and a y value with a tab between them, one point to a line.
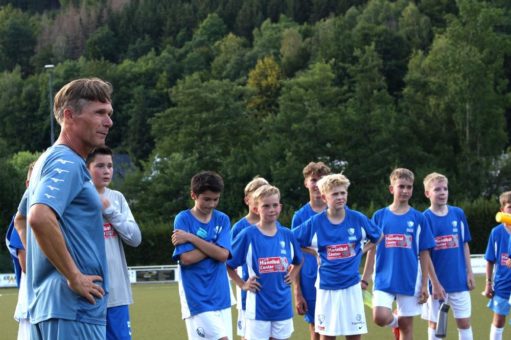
263	87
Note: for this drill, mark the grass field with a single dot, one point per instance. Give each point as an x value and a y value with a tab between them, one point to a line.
156	314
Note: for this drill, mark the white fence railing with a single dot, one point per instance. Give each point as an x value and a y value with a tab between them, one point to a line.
168	273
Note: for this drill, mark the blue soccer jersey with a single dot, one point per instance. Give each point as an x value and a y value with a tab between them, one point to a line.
339	246
61	181
451	232
268	258
397	255
309	270
236	229
14	245
497	252
204	284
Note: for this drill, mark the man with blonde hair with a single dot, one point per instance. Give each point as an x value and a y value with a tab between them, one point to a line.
66	260
451	272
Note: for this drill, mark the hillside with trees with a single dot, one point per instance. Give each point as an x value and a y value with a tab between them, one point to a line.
262	87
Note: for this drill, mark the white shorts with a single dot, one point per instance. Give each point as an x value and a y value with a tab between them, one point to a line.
24	329
263	330
210	325
241	324
460	304
407	305
340	312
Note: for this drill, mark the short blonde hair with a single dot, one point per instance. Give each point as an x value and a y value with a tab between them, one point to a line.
265	191
254	184
401	173
434	176
326	183
316	168
505	198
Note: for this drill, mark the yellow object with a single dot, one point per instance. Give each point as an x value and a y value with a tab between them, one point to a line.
368	298
503	218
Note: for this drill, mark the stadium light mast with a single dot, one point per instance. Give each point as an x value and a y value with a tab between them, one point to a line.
51	67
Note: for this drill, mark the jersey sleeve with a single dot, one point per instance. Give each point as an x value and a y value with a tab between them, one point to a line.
373	232
426	240
181	224
223	238
296	221
123	221
22	206
12	240
236	229
303	233
297	252
466	230
60	182
491	249
376	219
239	249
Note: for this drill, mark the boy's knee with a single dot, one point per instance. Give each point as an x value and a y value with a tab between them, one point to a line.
381	318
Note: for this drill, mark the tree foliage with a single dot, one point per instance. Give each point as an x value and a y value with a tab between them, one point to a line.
262	87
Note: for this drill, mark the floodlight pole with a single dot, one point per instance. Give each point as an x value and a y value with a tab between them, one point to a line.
51	67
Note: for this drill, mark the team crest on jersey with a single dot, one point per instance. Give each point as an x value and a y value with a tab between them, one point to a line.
202	233
282	244
409	224
201	332
454	224
351	231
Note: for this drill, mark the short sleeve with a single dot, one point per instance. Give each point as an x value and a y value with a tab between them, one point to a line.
303	233
490	254
239	249
181	223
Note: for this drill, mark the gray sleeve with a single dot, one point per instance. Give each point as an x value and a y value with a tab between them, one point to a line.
121	218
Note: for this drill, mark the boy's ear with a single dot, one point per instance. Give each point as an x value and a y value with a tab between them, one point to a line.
246	200
426	193
323	197
193	195
391	189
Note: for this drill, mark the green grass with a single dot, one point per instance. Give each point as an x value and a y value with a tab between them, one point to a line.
156	314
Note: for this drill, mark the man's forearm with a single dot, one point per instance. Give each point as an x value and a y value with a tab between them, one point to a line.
20	224
49	237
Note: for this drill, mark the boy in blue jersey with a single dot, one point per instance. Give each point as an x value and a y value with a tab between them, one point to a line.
202	246
18	254
251	218
406	239
451	275
304	289
273	260
337	234
498	286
